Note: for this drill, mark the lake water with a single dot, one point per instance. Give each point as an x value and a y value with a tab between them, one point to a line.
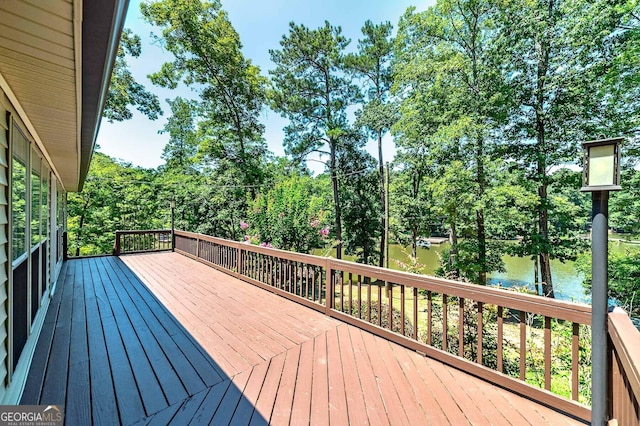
567	282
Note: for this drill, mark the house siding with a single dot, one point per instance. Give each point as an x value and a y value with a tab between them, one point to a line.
12	372
4	241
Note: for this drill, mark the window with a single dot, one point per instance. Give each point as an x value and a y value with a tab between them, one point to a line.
36	200
19	161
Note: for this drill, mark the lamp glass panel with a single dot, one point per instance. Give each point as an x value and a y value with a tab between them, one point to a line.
601	165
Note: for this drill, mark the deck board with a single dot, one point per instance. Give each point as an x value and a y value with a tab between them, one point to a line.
156	339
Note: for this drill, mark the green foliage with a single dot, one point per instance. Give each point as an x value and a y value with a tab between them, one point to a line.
124	90
209	59
116	196
624	277
360	202
312	91
624	206
180	152
291	215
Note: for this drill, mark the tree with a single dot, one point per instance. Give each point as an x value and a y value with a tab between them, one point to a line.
311	90
624	277
373	64
625	204
124	90
115	196
180	152
445	70
290	216
556	57
410	204
358	199
208	58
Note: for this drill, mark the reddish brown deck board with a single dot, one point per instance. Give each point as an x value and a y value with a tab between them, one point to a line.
338	411
301	408
376	410
284	400
213	349
320	385
431	406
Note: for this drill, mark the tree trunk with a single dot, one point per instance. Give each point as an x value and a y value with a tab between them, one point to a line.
482	234
543	206
453	252
382	202
336	199
536	276
81	224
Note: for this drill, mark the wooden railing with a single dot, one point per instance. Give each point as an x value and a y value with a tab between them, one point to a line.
525	343
624	386
142	241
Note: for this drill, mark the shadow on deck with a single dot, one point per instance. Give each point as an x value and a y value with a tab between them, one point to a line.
160	338
111	353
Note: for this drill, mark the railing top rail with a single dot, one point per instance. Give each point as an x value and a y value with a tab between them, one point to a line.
297	257
140	231
626	341
563	310
568	311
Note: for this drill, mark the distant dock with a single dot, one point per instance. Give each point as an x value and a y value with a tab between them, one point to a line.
437	240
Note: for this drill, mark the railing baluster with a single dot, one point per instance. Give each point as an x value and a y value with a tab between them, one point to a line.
547	353
359	296
341	295
461	327
350	293
429	317
415	313
390	295
379	304
444	322
575	358
499	354
369	299
306	280
480	332
402	300
523	346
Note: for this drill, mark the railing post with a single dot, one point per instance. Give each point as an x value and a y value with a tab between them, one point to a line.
328	288
239	259
116	251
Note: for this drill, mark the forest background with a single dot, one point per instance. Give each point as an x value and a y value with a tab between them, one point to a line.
487	103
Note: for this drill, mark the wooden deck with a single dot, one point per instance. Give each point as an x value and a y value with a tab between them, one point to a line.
162	339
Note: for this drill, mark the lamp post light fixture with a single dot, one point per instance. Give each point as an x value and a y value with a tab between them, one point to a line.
172	204
600	175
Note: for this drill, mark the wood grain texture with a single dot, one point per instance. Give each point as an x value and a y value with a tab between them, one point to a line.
208	348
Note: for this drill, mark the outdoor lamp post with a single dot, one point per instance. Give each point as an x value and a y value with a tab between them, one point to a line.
172	204
601	174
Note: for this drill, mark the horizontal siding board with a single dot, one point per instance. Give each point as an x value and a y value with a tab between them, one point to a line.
14	62
26	39
8	19
39	15
44	89
3	235
27	50
61	8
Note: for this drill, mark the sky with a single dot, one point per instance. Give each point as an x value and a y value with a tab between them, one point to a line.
261	25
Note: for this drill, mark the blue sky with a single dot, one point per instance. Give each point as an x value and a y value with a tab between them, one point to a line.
261	25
